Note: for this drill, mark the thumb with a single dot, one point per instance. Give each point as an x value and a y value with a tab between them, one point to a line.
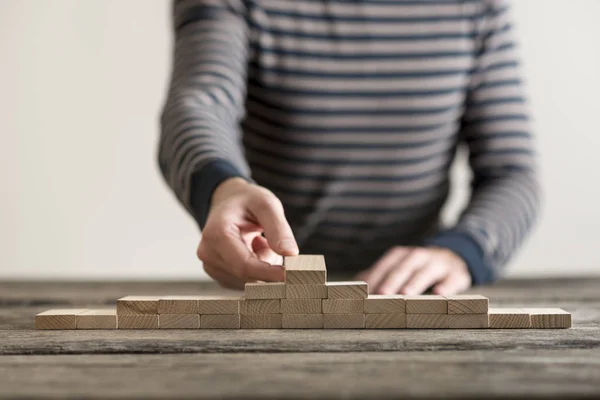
269	213
261	248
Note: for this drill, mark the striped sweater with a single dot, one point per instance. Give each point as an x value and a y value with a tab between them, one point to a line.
351	112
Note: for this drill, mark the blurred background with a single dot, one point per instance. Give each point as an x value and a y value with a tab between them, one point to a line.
82	83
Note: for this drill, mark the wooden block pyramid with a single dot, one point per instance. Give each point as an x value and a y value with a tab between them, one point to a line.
305	301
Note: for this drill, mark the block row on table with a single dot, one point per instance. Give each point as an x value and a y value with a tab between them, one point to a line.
331	290
152	305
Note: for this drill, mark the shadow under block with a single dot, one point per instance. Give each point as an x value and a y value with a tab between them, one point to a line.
343	321
306	291
467	304
302	321
138	321
260	306
179	321
261	321
305	269
301	306
137	305
509	318
218	305
385	321
178	305
385	304
223	321
468	321
343	306
427	321
58	319
270	290
549	318
426	304
97	319
347	290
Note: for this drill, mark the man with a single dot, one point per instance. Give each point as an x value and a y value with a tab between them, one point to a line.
328	126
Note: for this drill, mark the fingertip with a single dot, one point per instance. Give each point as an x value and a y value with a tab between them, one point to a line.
288	247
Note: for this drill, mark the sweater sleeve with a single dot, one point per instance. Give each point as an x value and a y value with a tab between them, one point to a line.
505	191
200	143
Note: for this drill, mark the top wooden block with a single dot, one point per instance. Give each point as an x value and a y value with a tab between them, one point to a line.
467	304
268	290
549	318
305	269
426	304
138	305
347	290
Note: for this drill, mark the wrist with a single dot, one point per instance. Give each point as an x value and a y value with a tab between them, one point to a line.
227	188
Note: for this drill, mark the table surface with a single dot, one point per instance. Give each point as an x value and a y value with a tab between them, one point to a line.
297	363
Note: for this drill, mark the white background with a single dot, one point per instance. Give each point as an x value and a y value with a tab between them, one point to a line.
81	87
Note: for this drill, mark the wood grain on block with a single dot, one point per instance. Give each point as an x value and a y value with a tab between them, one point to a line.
426	304
301	306
268	290
343	306
137	305
97	319
385	321
179	321
139	321
427	321
305	269
178	305
306	291
467	304
468	321
218	305
509	318
385	304
260	306
347	290
261	321
302	321
549	318
343	321
222	321
58	319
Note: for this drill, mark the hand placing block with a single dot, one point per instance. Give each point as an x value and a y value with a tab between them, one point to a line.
268	290
305	270
260	306
385	304
222	321
302	321
467	304
426	304
58	319
347	290
178	305
467	321
509	318
427	321
138	305
549	318
341	306
343	321
301	306
261	321
385	321
218	305
139	321
306	291
97	319
179	321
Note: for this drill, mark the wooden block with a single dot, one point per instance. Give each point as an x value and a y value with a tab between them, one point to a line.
137	305
179	321
343	306
302	321
301	306
261	321
218	305
178	305
549	318
58	319
468	321
385	304
222	321
385	321
347	290
509	318
260	306
467	304
306	291
269	290
305	269
343	321
427	321
97	319
139	321
426	304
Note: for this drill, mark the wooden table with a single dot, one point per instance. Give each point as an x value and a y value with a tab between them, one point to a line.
294	363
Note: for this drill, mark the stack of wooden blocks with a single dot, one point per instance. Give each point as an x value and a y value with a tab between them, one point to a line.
304	301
